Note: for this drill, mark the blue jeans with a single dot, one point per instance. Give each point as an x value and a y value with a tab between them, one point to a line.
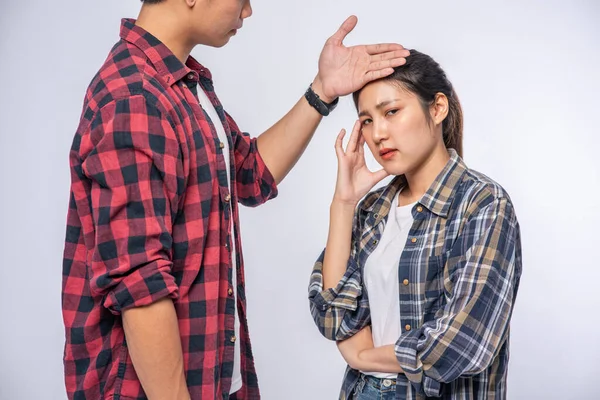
371	388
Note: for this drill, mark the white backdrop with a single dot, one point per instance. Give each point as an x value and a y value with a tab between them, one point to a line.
527	76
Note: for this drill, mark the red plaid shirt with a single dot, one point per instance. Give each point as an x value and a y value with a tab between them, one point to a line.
149	218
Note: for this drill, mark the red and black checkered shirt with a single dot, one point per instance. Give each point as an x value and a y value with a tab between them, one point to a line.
149	217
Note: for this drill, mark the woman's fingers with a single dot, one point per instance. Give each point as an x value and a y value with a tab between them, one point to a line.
354	138
339	151
379	175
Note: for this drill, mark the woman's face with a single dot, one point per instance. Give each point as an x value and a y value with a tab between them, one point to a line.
395	127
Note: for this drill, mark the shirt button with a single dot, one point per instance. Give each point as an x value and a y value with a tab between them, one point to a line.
190	76
228	197
230	291
405	282
233	339
420	209
221	145
407	327
374	241
414	240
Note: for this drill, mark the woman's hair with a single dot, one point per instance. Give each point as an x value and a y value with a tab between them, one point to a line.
425	78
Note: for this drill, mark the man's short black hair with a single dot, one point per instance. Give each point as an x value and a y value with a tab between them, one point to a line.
152	1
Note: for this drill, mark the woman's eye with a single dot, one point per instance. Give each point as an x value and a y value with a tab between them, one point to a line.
366	122
392	112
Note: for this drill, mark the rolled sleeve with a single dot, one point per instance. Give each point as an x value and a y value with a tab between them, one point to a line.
464	339
254	182
149	284
132	163
342	311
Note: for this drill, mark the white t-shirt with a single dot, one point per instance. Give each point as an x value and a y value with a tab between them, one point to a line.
236	380
381	279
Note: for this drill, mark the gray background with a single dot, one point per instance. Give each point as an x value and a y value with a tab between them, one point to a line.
527	75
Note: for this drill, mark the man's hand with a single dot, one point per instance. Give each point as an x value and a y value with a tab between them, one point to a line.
352	347
343	70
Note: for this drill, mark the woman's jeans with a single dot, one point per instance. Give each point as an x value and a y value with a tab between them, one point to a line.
371	388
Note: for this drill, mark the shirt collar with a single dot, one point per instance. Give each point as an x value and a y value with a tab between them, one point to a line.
437	199
162	58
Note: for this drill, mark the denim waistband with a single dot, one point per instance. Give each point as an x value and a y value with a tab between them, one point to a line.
381	384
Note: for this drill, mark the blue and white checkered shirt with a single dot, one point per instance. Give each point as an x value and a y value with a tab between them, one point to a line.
459	274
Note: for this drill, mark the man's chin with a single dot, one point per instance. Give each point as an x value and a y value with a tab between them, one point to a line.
217	42
223	41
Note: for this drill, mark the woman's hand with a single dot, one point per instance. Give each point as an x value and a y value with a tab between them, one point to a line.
354	179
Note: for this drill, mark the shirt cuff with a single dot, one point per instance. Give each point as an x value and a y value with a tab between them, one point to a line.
141	288
345	295
408	358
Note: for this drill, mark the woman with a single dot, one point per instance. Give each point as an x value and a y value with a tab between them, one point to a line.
419	278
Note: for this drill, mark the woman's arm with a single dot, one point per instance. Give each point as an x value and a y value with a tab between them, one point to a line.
359	353
379	359
337	303
354	180
338	243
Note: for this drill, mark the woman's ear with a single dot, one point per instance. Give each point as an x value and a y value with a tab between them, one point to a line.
439	108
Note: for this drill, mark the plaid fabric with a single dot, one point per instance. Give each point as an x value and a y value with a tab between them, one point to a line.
458	276
149	218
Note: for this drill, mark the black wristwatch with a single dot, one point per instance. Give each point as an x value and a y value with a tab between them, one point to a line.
314	100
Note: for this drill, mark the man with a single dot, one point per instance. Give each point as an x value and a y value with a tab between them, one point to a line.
153	278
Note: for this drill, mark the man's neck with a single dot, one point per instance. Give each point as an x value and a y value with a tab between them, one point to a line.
165	24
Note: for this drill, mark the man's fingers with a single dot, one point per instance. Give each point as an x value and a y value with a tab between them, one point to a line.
393	63
390	55
378	74
374	49
344	30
